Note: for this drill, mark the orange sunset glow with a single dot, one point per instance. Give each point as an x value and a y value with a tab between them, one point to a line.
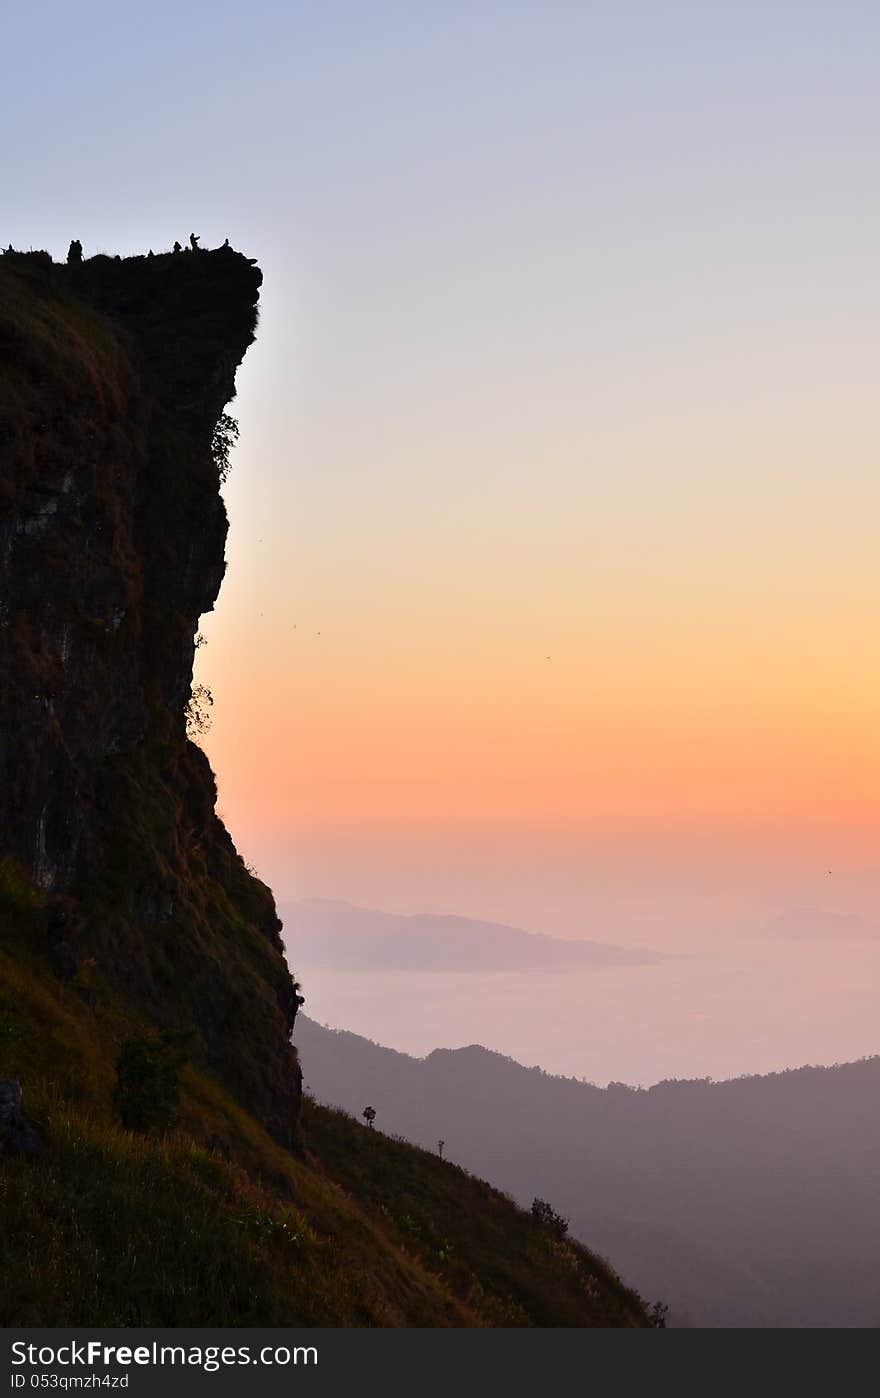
439	683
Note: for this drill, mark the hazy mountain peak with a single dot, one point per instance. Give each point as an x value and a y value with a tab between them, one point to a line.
324	931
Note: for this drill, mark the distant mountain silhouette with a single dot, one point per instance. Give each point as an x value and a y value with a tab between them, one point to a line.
818	924
747	1202
328	933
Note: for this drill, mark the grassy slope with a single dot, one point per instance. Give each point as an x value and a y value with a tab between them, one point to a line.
216	1223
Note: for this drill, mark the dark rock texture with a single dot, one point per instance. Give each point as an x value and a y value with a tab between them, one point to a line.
17	1136
113	373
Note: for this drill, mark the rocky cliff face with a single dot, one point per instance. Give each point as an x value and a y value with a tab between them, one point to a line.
113	374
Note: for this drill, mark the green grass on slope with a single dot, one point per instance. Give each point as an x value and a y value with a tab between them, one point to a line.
110	1229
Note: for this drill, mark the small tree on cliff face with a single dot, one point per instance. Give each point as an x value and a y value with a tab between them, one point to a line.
369	1115
224	439
198	711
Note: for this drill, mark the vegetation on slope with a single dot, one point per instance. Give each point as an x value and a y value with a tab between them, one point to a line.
213	1222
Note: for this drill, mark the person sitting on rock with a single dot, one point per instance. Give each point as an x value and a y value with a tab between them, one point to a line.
177	247
75	253
194	241
226	242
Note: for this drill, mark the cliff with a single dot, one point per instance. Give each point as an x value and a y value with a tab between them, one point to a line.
158	1165
112	535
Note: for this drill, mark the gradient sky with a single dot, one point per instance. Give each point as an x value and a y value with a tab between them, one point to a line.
553	587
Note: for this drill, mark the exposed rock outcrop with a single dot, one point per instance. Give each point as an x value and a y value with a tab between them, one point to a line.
113	373
17	1136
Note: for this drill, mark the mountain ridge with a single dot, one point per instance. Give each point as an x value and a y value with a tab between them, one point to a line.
348	936
740	1202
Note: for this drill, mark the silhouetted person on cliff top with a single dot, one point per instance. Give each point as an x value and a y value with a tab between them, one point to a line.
75	253
177	247
194	241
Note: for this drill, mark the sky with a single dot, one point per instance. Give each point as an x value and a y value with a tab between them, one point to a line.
552	591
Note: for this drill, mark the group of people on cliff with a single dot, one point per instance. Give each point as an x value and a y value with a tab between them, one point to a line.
75	251
194	244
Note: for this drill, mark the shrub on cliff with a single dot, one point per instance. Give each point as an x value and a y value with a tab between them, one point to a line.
148	1079
17	893
224	438
198	711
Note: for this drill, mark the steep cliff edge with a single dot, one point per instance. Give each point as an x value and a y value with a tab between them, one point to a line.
113	374
125	908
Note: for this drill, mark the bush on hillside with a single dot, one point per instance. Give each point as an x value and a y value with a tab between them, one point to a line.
548	1218
148	1079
